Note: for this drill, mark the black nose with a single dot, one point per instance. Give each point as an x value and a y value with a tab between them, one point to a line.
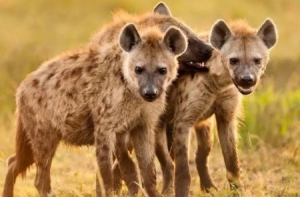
247	80
150	95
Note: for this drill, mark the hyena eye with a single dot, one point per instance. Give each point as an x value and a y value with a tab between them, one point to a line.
234	61
138	70
162	71
257	60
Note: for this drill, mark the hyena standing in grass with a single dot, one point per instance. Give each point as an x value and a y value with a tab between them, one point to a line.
196	53
236	66
99	95
89	96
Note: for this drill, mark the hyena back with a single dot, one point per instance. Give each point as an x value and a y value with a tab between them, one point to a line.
194	98
197	52
89	96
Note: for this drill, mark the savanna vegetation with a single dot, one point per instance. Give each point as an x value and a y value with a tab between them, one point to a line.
33	31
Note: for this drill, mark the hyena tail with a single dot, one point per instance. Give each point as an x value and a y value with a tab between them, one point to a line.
18	163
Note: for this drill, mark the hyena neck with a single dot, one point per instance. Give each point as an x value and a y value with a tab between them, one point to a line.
218	72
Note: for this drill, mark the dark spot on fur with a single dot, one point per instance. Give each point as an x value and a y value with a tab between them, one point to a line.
22	98
35	83
104	100
50	75
52	64
66	75
99	111
105	147
89	68
74	57
117	57
84	84
108	107
40	100
70	95
122	77
92	57
76	72
186	97
57	84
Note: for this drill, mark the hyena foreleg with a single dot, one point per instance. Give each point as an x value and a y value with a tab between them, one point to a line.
125	165
104	142
143	139
226	125
204	142
182	172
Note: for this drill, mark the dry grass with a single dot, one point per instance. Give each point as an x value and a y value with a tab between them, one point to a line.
265	171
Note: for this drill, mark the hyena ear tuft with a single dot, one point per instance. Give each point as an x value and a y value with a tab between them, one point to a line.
175	40
219	34
129	37
162	9
268	33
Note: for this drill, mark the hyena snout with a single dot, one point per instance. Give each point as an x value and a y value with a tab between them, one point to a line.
149	93
245	82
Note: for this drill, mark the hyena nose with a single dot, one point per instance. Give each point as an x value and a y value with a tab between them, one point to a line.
247	80
150	94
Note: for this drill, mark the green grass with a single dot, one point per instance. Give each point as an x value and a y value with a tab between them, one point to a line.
34	31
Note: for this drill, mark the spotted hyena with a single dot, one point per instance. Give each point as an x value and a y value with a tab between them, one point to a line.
70	96
92	95
196	53
235	68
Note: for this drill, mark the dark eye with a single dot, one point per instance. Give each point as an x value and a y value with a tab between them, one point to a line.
138	70
257	60
162	71
234	61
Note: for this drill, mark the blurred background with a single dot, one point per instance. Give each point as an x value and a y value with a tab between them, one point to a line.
32	31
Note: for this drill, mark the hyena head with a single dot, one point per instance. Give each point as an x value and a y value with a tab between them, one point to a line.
198	51
150	61
244	51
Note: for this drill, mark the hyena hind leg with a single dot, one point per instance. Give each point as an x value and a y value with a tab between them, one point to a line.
43	152
117	182
165	160
11	176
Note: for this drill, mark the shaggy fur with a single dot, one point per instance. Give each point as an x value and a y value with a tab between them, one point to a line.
92	95
88	97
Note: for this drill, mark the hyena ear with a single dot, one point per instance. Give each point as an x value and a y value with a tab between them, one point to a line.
268	33
175	40
219	34
129	37
162	8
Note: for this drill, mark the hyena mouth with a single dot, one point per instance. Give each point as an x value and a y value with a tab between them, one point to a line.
193	66
245	90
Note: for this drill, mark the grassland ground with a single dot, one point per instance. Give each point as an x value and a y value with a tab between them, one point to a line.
265	170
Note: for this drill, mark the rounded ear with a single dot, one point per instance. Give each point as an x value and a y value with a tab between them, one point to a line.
219	34
268	33
175	40
129	37
162	9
